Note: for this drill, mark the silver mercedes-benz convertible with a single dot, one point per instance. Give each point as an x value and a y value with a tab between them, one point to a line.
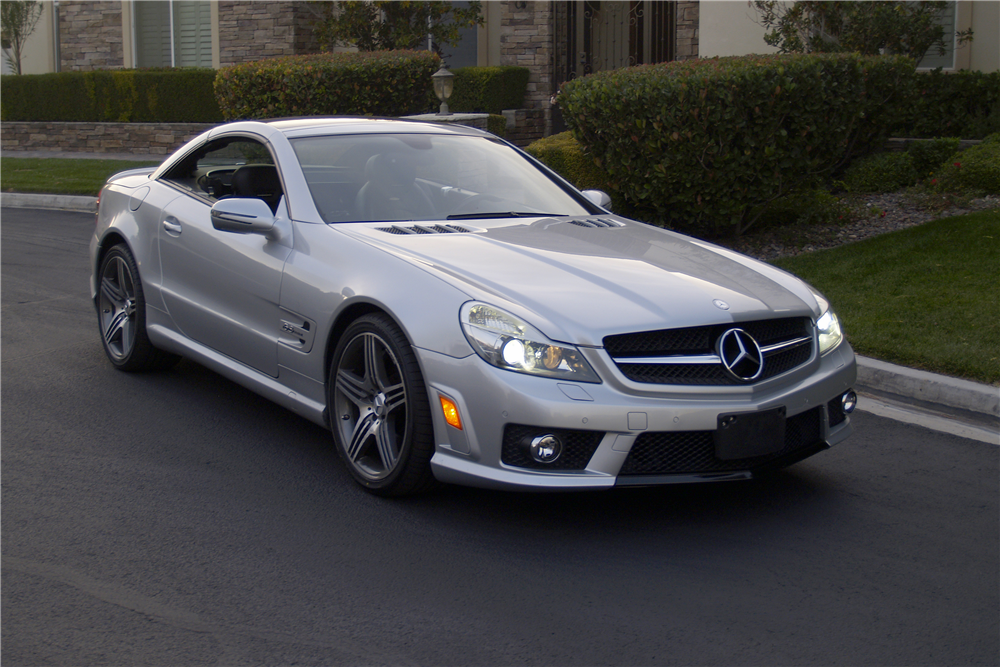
454	311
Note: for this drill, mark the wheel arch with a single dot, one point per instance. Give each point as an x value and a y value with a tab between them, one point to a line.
112	238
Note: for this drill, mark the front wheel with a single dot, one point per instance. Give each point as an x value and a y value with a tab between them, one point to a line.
379	411
121	315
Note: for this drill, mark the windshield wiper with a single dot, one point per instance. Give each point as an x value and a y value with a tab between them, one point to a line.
504	214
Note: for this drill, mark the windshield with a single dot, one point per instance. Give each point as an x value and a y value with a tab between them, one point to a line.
420	177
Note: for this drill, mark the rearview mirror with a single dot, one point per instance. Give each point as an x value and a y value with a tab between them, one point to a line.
243	216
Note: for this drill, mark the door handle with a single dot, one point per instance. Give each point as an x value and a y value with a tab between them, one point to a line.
172	225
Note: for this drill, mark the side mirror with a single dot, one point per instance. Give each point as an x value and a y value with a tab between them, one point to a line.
243	216
598	197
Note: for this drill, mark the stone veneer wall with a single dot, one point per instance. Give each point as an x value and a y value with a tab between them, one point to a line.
253	29
526	40
687	30
137	138
90	35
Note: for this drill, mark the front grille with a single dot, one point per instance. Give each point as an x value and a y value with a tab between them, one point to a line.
693	452
700	342
579	447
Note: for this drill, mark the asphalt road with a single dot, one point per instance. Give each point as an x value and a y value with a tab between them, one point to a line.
178	519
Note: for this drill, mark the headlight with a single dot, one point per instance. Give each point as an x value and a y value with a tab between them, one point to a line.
514	345
830	334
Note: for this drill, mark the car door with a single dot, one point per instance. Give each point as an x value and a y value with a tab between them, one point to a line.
220	288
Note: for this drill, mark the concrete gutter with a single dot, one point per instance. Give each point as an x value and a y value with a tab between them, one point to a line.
969	401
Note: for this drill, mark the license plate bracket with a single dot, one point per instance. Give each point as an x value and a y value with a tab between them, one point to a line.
743	435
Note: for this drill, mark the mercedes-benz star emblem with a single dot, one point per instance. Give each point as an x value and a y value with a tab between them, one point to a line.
719	303
741	355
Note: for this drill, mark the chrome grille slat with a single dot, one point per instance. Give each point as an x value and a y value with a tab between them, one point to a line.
688	356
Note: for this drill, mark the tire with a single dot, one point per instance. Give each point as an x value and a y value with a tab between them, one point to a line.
121	315
379	413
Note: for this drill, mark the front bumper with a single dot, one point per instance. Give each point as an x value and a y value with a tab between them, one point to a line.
619	414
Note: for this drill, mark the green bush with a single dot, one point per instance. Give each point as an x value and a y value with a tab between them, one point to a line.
976	169
563	154
702	144
496	124
380	83
928	156
806	207
880	172
964	104
125	96
488	89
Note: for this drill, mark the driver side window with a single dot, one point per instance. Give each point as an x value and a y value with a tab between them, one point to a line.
231	167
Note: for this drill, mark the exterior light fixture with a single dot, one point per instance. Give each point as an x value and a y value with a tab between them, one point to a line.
444	84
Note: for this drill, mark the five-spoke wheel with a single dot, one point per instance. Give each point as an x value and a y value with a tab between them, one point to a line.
121	313
379	410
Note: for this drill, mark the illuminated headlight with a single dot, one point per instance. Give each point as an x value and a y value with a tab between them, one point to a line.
830	334
512	344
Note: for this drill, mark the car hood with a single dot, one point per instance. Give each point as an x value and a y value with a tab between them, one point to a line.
578	283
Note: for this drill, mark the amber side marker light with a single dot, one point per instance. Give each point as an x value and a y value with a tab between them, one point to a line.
450	411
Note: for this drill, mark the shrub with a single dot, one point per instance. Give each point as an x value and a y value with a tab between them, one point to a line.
496	124
807	207
964	104
380	83
976	169
563	154
880	172
703	144
488	89
928	156
126	96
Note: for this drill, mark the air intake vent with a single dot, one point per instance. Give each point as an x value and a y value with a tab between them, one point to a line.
596	222
425	229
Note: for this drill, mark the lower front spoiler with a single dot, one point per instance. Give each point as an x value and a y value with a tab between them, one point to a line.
453	470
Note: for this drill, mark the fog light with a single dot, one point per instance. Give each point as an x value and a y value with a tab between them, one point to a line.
849	401
544	448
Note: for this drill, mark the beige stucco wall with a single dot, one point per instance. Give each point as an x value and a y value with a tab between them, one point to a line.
985	48
729	28
38	56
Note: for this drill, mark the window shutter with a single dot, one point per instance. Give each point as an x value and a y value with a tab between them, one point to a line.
192	33
152	34
932	59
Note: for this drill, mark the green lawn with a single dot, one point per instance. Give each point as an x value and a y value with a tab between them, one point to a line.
60	177
924	297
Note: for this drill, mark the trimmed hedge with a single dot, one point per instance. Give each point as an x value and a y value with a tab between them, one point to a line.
704	144
112	96
563	154
487	89
962	104
380	83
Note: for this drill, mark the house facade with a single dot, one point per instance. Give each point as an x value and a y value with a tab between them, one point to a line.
556	40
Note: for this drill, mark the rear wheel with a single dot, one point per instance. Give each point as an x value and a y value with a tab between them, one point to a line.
121	315
379	411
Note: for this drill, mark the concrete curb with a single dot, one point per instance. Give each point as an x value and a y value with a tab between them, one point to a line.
982	400
59	202
937	391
